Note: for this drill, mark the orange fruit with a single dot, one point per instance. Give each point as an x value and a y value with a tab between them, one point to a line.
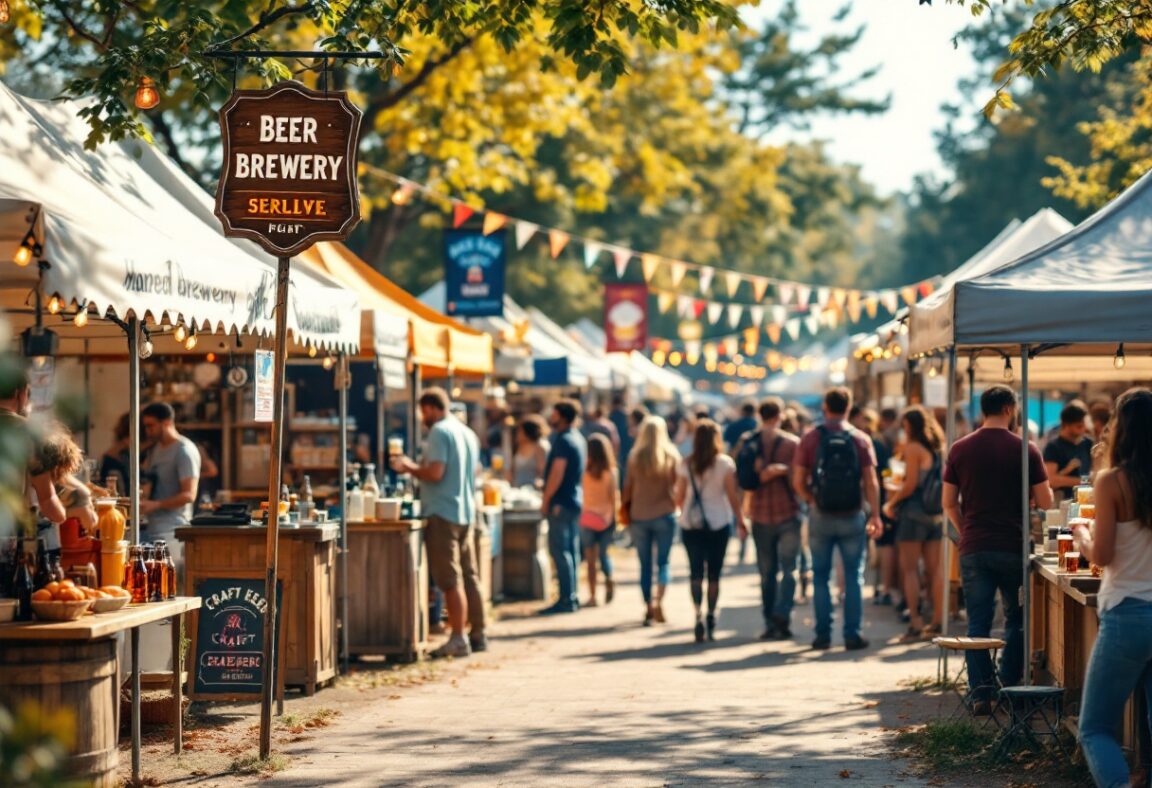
67	584
70	595
90	593
96	594
43	595
52	587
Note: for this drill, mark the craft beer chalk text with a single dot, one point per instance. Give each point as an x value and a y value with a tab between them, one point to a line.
251	597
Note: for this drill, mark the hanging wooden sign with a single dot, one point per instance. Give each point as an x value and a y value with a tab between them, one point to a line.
289	174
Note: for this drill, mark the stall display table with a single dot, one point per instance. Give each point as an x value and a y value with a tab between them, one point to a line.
1065	625
387	589
75	665
307	574
527	568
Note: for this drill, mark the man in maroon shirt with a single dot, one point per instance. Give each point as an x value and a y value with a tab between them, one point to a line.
982	496
843	494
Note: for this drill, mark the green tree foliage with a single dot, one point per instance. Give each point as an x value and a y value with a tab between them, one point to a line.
999	169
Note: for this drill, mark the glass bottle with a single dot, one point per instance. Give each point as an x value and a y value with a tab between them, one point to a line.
157	572
307	505
136	577
170	569
22	584
58	570
370	484
43	574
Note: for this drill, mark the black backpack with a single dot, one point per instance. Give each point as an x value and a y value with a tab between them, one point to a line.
932	488
750	450
836	477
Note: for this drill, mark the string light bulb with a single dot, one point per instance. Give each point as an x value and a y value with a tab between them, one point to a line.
329	362
23	254
933	371
180	333
147	94
5	12
144	350
55	305
1119	361
81	318
311	351
1009	375
192	339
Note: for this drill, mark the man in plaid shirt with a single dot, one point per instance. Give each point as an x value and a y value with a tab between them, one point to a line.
775	516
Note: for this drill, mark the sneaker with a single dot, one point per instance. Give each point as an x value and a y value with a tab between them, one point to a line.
699	631
782	628
822	643
913	635
981	708
771	633
557	609
478	643
609	591
456	647
710	624
855	643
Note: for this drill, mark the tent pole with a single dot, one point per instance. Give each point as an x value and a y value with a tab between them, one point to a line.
413	418
1026	588
971	394
381	421
272	545
946	558
342	387
133	331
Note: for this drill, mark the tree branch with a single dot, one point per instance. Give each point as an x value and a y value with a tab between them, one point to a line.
389	100
164	130
266	19
77	29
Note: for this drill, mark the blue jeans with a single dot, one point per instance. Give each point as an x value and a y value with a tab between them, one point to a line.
849	534
600	541
983	574
1122	653
564	547
658	535
777	551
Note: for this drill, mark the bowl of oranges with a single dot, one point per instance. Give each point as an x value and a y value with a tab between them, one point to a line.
60	601
109	599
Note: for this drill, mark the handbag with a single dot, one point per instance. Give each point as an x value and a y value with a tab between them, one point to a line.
695	515
594	521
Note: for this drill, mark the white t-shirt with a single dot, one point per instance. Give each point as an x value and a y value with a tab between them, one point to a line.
713	487
1130	573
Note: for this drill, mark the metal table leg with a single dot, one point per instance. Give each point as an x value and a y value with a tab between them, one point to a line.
177	623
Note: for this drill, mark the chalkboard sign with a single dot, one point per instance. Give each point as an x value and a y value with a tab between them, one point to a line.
230	637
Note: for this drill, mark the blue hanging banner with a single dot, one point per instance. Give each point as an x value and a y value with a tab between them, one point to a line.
474	273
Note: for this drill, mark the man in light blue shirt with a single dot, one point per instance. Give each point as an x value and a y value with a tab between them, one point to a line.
448	501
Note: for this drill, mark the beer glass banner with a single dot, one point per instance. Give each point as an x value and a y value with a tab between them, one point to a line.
625	317
289	173
474	273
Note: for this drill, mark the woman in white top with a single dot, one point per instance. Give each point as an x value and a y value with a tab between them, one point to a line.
709	504
1121	543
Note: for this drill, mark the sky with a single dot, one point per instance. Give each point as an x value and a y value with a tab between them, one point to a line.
919	68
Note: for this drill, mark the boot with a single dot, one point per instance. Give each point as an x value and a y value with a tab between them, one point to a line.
658	605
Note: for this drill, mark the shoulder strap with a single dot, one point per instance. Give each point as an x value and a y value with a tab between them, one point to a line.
696	498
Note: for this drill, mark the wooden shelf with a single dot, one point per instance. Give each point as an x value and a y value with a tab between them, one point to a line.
199	425
251	425
334	468
317	427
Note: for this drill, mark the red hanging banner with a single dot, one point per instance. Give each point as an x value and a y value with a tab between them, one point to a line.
625	316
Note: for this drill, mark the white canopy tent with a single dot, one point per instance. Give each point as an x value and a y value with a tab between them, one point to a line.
122	229
654	382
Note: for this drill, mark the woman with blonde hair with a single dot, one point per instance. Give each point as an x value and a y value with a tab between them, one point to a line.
598	520
709	503
649	483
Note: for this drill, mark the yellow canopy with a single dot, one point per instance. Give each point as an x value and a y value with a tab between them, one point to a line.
439	344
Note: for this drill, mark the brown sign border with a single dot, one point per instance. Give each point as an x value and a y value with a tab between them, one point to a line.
351	156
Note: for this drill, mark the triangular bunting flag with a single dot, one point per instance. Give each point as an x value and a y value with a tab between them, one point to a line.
732	282
648	263
823	296
715	312
839	297
684	307
926	289
698	306
793	328
871	304
461	213
677	269
557	240
787	292
664	302
773	331
854	310
524	233
803	295
779	314
735	312
909	295
621	258
854	301
757	315
591	253
706	274
812	322
832	318
493	222
891	301
760	287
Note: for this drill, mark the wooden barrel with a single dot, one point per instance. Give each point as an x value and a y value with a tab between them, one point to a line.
81	676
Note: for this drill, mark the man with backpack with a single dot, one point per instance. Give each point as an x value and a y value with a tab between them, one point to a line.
835	472
764	471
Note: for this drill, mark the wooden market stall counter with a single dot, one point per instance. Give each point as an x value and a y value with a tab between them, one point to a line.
307	574
75	665
1064	629
387	589
527	568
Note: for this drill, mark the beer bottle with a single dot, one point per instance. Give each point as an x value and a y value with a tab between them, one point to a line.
157	571
170	573
22	585
137	575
